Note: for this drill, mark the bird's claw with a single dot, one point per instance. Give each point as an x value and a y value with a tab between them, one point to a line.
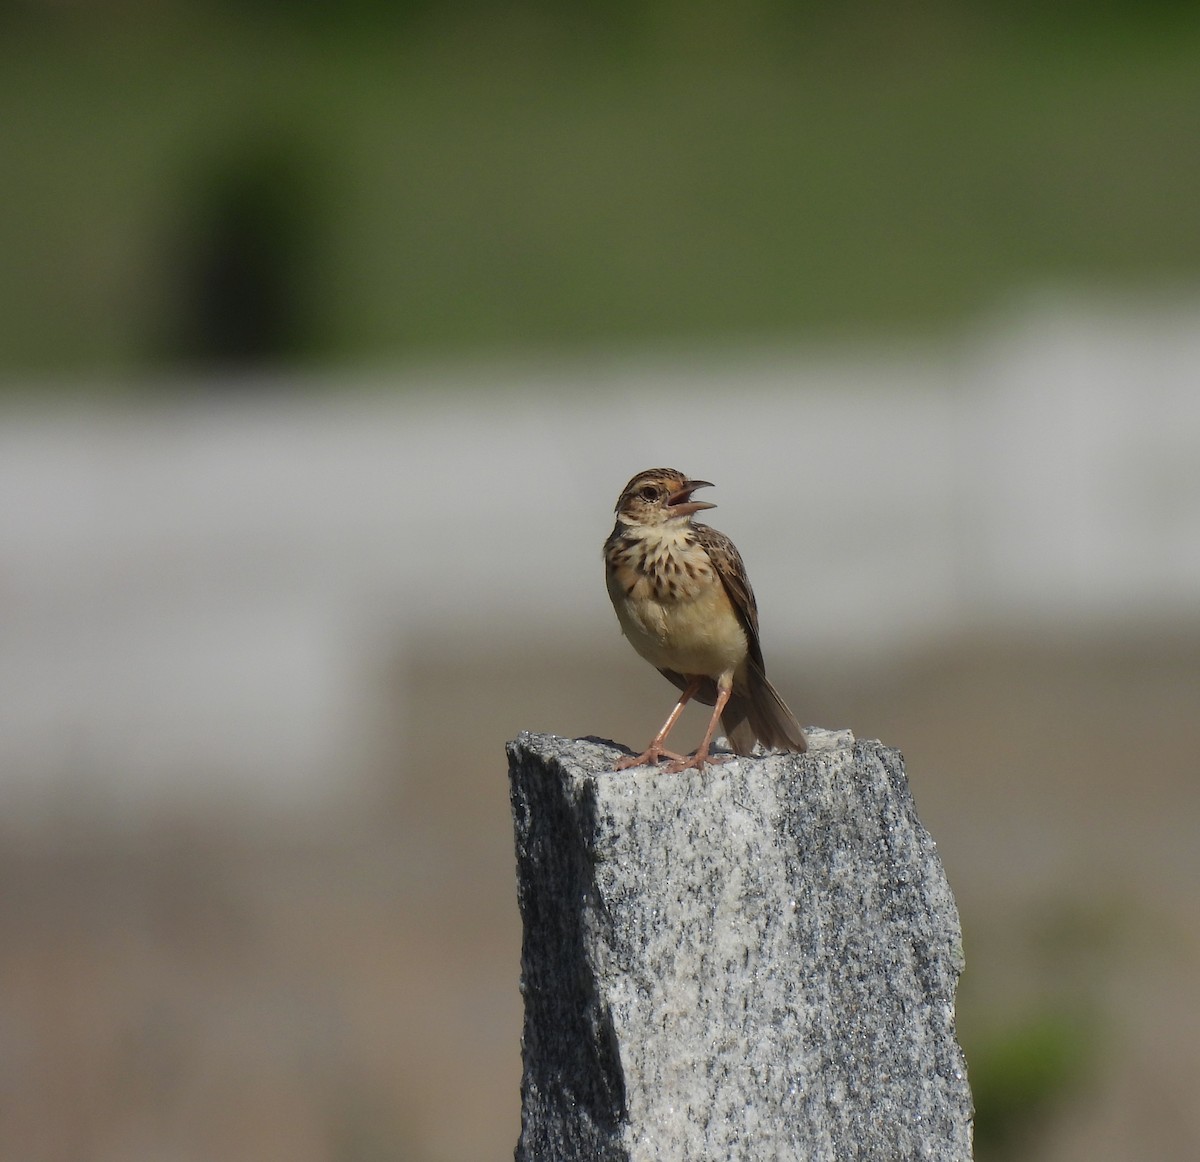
649	758
677	763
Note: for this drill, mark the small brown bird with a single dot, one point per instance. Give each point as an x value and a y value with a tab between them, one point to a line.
685	604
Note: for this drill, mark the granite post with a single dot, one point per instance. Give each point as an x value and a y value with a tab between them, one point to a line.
756	961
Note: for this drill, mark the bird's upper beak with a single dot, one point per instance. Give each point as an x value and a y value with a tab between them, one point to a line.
681	502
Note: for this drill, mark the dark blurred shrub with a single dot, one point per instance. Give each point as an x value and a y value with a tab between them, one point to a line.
238	264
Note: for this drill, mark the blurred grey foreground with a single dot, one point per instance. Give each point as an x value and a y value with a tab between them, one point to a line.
260	653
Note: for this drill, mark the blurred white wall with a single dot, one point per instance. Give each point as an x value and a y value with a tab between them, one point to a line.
198	596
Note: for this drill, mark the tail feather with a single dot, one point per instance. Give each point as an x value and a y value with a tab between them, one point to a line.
736	725
756	712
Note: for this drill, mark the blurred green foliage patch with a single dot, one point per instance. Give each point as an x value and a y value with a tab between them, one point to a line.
459	178
1023	1072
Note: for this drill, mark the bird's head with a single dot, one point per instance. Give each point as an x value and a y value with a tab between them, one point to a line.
660	495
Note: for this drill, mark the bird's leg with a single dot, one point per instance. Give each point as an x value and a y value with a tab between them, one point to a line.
655	751
701	756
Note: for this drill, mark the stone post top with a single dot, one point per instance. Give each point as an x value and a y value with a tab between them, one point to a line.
593	754
755	960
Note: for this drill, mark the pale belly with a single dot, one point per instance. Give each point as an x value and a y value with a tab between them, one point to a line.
699	636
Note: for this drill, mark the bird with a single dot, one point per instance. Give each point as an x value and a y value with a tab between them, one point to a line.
682	598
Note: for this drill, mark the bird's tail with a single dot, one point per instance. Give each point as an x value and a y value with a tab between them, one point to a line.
756	712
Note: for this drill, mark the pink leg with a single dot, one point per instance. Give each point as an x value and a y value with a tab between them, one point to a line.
701	756
655	751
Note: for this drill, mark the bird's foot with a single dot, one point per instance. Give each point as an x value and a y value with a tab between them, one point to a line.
698	761
648	758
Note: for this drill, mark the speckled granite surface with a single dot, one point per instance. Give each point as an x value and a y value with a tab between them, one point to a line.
755	961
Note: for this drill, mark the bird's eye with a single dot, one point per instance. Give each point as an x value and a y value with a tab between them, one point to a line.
649	492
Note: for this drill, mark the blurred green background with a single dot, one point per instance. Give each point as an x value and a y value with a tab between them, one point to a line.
317	183
202	200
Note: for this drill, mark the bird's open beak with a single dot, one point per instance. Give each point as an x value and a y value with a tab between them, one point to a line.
681	502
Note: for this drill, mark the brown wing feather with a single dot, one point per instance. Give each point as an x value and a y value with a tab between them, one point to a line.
730	568
757	710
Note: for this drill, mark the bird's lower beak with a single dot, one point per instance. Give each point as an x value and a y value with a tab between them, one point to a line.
681	502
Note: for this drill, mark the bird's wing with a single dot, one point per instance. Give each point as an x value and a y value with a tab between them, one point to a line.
728	563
